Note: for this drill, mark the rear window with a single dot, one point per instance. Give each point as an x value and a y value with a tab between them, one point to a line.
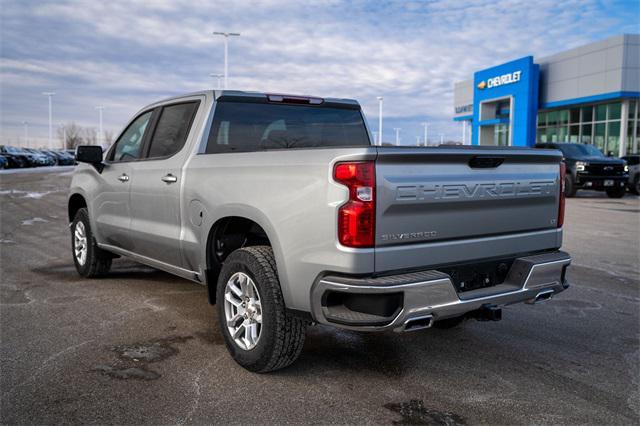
242	127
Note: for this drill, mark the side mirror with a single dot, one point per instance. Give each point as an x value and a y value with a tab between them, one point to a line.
91	154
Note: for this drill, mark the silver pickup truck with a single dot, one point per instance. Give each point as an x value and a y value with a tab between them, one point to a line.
282	207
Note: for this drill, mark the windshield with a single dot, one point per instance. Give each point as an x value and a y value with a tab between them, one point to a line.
243	126
579	150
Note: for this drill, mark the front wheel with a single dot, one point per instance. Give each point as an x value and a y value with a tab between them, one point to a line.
90	260
635	186
259	333
616	192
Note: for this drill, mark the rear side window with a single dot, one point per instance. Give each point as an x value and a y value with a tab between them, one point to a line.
242	127
172	129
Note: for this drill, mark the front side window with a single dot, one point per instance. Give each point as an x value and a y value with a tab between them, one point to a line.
172	130
129	146
244	127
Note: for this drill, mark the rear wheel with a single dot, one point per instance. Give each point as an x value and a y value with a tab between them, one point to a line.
259	333
616	192
90	260
569	187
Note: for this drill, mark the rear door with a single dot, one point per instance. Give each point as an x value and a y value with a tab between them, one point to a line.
155	192
447	196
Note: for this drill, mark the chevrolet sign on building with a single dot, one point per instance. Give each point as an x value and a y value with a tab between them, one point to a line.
590	94
509	78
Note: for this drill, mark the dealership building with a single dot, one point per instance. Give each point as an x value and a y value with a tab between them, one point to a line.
589	94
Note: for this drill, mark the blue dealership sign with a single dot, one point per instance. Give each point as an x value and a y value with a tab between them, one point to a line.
509	95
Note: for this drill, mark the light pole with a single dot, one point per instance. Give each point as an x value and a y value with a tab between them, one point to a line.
464	132
441	138
417	140
219	77
380	99
100	108
375	137
226	53
26	133
64	136
397	129
50	95
426	126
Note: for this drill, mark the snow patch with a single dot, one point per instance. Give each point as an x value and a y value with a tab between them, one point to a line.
30	222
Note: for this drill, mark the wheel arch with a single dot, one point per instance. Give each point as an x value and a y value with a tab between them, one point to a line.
227	234
76	202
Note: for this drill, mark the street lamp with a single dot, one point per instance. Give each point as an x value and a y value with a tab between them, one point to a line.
64	136
464	132
397	129
50	95
380	98
417	140
100	108
226	52
441	138
26	133
219	77
426	126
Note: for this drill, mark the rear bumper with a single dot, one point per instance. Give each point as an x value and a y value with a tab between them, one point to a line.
431	294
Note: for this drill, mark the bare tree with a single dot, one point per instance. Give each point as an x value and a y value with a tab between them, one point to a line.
108	137
90	136
70	134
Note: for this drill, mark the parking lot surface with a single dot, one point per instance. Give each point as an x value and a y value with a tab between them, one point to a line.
142	346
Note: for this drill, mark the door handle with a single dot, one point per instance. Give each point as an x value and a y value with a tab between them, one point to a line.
123	178
169	178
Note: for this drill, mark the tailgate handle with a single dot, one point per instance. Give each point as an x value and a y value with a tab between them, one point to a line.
483	162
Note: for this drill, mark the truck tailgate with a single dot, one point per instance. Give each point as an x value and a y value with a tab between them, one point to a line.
449	196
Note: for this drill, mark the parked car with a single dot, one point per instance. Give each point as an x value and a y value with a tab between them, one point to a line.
41	158
4	163
589	168
62	158
16	157
281	206
633	162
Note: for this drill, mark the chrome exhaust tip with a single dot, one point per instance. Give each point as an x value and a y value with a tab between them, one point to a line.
418	323
543	296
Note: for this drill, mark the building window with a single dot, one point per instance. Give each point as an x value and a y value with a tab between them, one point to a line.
613	138
591	124
598	136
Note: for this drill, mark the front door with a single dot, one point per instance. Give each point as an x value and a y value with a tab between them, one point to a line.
112	207
155	192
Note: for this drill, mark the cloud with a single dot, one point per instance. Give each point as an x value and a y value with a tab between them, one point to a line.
127	53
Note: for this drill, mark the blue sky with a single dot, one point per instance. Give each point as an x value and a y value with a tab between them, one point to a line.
125	54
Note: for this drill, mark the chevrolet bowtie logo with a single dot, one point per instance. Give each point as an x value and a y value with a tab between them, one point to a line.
482	85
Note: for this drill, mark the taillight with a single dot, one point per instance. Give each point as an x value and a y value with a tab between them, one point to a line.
357	217
563	173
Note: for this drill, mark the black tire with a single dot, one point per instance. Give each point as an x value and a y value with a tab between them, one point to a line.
98	261
635	186
282	335
448	323
569	187
618	192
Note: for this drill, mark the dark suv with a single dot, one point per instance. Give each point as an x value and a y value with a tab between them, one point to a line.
589	168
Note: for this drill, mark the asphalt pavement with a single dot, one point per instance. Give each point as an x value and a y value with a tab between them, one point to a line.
142	346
